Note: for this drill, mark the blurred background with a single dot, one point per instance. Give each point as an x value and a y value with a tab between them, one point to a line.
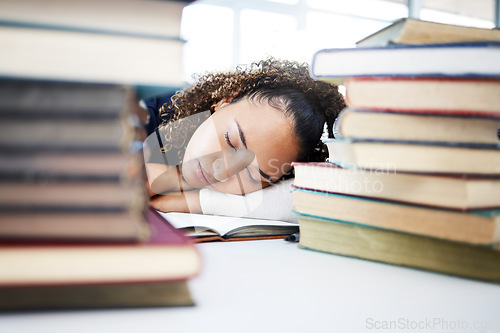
222	34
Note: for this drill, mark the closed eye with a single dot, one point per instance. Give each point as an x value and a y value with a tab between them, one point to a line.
253	180
229	143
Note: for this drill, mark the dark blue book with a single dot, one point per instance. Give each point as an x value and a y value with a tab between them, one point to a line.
479	59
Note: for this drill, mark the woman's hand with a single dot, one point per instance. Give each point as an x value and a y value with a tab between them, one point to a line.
164	178
183	202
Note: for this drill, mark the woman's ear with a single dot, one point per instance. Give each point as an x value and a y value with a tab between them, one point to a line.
226	100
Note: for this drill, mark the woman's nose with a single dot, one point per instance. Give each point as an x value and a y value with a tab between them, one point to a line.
231	162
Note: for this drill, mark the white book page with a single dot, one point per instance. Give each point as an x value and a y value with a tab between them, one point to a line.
220	224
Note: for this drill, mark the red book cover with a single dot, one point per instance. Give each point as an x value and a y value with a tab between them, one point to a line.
461	96
168	255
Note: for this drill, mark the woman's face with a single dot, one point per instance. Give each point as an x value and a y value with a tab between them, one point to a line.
241	148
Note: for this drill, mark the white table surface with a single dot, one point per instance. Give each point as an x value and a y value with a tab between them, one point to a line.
273	286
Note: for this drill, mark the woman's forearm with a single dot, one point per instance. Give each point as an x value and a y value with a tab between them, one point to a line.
184	202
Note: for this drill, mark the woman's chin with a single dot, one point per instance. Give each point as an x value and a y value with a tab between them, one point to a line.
190	178
233	187
193	180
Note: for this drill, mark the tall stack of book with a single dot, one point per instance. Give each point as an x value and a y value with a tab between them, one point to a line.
413	176
75	228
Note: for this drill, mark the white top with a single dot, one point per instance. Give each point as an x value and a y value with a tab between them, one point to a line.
272	203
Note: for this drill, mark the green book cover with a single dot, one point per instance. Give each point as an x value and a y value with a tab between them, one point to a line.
402	249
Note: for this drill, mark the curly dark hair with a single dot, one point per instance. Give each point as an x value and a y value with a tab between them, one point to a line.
285	85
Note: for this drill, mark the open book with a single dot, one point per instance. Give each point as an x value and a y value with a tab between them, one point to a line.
205	228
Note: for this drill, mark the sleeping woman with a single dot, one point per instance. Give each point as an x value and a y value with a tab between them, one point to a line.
226	144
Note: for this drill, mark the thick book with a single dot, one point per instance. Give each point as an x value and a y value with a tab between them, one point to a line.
402	249
149	18
64	134
478	97
96	166
72	196
77	56
137	274
72	225
209	228
368	124
119	295
475	227
452	192
414	156
42	99
42	115
447	60
416	31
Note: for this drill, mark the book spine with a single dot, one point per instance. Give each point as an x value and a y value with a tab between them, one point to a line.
39	99
72	167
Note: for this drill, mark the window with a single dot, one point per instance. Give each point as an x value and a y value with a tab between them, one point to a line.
263	34
208	30
222	34
477	13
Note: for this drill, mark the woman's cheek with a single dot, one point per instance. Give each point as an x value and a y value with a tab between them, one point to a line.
235	186
204	141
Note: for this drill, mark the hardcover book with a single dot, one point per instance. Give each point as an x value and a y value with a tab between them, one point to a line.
475	227
76	275
444	191
476	97
145	18
75	56
445	60
414	156
414	31
418	127
396	248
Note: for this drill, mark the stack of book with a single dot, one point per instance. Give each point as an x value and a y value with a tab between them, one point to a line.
75	227
413	176
130	42
67	152
101	274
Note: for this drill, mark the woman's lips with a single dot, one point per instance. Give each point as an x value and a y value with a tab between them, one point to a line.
202	176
